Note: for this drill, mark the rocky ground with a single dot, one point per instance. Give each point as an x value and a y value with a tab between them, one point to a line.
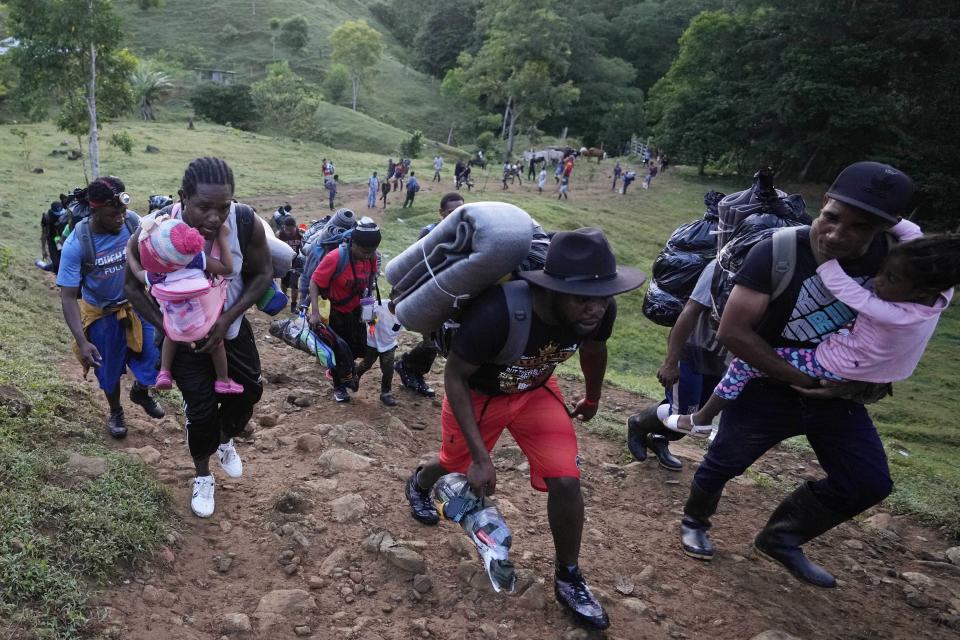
316	541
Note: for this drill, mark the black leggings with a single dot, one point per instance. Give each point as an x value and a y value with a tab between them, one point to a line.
211	418
386	366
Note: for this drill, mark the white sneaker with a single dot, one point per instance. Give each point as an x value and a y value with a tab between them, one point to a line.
230	459
202	501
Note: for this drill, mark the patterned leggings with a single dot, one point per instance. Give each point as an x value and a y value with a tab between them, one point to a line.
739	373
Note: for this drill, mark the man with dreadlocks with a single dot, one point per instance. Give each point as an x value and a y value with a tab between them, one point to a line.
110	336
206	203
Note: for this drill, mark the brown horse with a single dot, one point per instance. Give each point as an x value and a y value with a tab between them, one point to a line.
593	152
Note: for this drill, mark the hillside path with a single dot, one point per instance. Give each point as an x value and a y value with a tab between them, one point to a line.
289	551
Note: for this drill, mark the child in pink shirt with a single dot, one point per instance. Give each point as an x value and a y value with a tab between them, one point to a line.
893	325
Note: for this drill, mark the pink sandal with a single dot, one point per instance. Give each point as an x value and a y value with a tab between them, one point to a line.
164	380
228	386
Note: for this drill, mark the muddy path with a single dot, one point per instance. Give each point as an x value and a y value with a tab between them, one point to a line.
296	547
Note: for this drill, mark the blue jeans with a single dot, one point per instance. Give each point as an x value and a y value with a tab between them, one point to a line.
840	431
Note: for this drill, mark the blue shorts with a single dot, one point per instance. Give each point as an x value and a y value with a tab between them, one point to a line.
110	339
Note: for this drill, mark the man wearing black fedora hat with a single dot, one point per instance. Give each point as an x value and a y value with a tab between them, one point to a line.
865	199
572	309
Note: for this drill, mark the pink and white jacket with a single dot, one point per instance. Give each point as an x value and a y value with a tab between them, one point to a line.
887	338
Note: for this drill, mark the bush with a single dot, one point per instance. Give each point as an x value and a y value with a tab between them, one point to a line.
229	32
413	147
285	101
225	103
123	141
337	83
486	141
296	33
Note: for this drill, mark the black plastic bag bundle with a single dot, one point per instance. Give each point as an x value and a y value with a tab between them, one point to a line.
676	270
759	212
661	307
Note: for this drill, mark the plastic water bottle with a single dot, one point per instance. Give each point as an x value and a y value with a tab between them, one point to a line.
366	309
483	522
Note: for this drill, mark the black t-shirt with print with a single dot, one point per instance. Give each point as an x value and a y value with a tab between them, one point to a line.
806	313
483	333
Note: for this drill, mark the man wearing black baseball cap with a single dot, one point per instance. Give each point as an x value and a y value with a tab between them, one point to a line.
865	199
572	306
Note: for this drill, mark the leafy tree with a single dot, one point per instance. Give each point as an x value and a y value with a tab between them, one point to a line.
225	104
358	47
149	85
67	46
522	63
283	99
444	34
296	33
402	17
413	147
336	83
646	33
486	141
694	107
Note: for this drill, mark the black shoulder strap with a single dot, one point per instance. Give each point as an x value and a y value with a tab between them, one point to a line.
520	310
245	220
132	222
88	254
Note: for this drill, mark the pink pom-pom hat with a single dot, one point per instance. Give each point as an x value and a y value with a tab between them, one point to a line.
169	245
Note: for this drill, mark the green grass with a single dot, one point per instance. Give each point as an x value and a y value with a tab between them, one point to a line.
56	536
399	95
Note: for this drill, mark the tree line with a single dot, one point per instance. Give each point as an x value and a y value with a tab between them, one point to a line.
724	85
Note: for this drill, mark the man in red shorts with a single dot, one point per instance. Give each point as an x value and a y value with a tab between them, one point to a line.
573	308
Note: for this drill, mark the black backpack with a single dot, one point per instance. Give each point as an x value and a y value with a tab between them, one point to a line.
756	214
520	309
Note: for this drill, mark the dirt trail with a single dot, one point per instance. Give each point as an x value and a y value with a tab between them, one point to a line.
295	529
289	552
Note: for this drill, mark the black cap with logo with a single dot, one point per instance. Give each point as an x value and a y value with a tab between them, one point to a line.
875	188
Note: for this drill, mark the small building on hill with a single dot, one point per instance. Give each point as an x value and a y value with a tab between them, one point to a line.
218	76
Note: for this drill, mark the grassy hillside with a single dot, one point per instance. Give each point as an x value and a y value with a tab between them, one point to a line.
398	96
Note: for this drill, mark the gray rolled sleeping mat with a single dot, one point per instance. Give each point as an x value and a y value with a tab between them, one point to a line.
469	250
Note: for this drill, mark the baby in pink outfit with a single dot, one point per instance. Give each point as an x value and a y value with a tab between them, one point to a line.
894	323
176	265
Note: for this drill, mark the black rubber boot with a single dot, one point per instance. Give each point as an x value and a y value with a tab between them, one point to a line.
660	447
140	394
801	517
695	525
638	426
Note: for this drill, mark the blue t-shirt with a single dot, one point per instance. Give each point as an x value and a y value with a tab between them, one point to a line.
103	286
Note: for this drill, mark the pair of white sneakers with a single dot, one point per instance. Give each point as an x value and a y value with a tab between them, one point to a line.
202	501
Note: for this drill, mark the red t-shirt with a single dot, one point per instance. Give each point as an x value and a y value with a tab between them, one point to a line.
345	290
